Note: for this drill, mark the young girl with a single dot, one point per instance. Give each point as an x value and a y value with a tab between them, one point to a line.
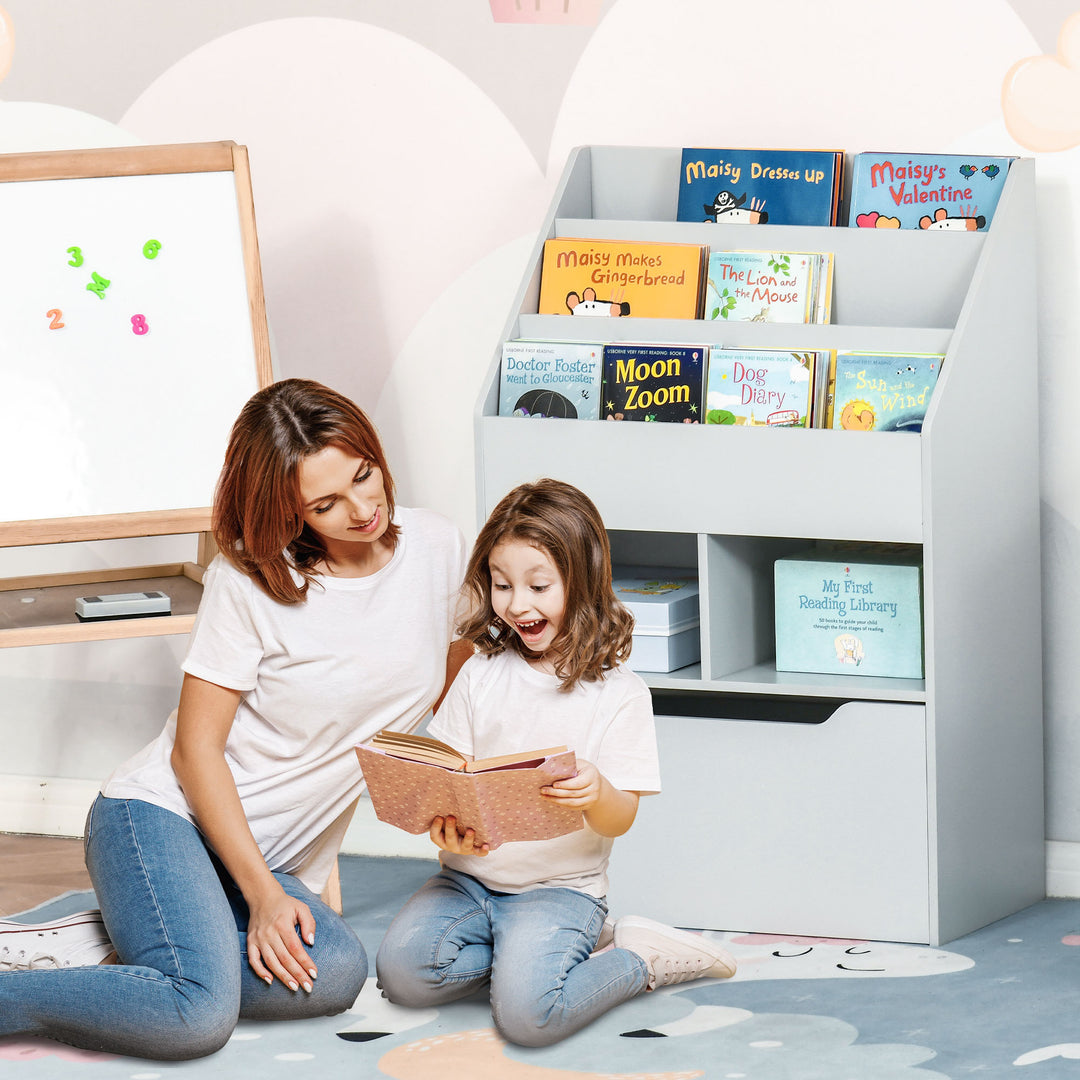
550	639
327	616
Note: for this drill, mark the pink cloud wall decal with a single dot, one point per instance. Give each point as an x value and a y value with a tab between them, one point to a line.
1040	97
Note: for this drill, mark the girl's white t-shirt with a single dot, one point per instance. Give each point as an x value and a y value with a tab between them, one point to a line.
318	677
502	705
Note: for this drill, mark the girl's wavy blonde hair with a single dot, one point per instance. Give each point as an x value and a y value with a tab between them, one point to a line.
562	521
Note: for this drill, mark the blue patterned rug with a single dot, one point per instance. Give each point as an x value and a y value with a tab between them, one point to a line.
1002	1002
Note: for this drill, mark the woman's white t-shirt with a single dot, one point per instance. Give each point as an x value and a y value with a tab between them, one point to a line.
318	677
502	705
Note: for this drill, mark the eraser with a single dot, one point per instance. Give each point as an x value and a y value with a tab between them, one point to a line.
133	605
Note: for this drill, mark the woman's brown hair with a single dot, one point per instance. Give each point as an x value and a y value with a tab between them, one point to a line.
258	512
557	518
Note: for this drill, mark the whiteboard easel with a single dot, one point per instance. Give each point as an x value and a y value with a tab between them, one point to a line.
132	330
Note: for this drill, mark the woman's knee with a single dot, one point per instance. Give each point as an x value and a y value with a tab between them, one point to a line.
201	1027
342	970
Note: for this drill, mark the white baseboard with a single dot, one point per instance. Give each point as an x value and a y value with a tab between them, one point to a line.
45	805
54	806
1062	868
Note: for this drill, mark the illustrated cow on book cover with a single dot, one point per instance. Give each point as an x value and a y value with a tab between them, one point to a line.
587	304
728	207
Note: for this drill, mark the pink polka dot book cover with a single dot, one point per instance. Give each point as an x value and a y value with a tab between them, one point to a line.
499	798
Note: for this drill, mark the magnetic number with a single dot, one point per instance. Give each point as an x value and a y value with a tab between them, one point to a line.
98	285
151	248
55	314
76	256
138	325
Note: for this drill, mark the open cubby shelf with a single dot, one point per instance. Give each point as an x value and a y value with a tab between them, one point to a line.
921	801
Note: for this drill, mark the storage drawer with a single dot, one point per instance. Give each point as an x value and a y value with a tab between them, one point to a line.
780	827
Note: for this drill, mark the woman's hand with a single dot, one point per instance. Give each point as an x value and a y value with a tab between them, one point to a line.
582	791
274	948
444	835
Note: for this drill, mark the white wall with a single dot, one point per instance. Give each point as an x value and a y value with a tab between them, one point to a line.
402	155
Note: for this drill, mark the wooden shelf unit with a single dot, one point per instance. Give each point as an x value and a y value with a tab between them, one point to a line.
915	811
39	609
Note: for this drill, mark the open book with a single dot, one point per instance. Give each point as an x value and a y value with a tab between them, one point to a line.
412	779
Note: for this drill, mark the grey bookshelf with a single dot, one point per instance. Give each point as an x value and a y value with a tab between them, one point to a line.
907	810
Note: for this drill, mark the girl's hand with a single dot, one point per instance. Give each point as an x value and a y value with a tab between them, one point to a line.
273	947
444	835
582	791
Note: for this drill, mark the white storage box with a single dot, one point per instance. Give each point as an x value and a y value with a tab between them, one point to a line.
664	603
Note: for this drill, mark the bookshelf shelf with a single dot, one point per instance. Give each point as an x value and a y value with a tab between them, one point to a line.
922	797
763	680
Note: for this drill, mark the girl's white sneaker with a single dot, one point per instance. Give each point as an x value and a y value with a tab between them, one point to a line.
671	955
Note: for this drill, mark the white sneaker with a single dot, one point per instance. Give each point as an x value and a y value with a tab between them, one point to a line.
607	936
77	941
672	956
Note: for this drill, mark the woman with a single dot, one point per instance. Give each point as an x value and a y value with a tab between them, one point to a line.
326	617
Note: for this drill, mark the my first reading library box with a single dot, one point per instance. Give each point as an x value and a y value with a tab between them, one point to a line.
850	611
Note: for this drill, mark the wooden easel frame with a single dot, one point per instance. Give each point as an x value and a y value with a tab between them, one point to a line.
226	156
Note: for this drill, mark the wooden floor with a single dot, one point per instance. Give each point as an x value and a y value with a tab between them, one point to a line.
34	869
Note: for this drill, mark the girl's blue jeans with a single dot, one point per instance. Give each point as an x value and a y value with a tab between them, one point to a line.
178	923
455	936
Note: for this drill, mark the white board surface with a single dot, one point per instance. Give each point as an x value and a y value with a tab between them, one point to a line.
119	398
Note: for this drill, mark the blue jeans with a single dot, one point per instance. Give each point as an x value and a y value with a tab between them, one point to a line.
178	923
455	936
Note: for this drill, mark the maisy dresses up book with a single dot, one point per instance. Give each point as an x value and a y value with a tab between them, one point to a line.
759	186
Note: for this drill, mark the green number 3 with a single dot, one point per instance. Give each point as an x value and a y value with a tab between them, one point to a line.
76	256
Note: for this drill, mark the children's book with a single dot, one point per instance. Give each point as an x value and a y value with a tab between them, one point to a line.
761	387
850	610
654	382
872	391
613	278
551	379
412	779
760	186
769	286
925	191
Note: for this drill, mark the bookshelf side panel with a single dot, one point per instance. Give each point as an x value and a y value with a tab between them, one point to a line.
982	586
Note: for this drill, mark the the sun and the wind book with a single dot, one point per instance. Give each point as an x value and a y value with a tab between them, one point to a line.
881	391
